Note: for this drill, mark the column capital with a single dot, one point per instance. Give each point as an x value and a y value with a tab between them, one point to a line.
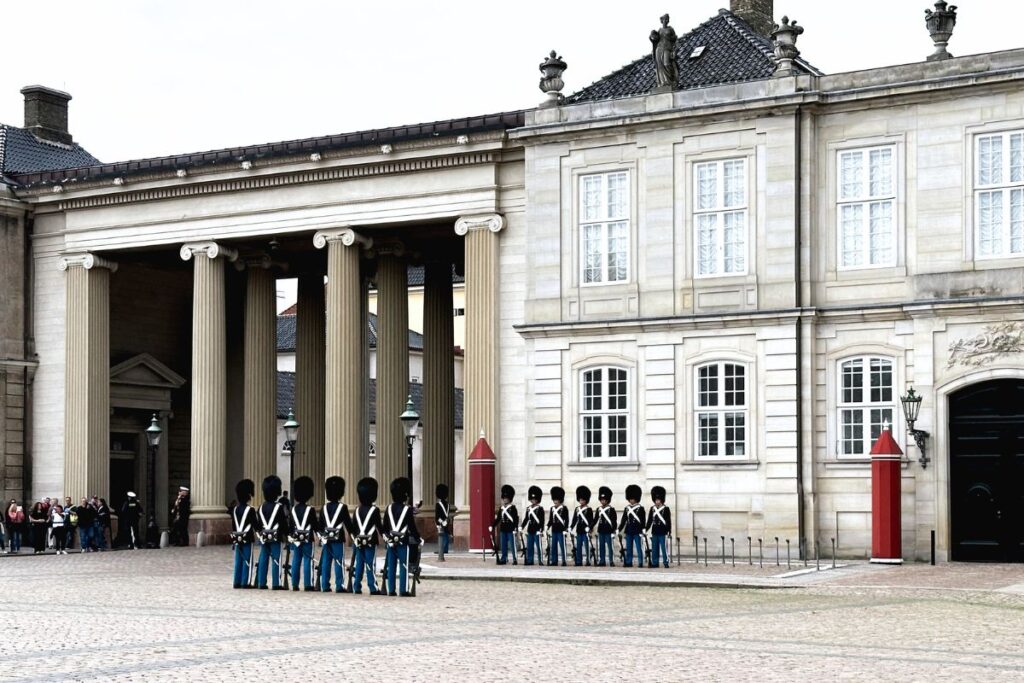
346	236
87	261
494	222
210	249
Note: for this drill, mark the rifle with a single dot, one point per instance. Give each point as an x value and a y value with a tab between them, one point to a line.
314	561
647	548
413	566
287	569
592	550
622	549
572	542
351	562
521	550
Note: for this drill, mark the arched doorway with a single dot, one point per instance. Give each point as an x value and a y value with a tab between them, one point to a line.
986	436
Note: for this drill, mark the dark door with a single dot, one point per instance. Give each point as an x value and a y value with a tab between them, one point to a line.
986	429
122	480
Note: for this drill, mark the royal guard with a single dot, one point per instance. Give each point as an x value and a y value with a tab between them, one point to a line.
128	520
303	529
367	526
505	523
633	524
181	512
334	522
659	526
533	525
558	522
443	514
581	523
273	527
399	534
607	522
242	536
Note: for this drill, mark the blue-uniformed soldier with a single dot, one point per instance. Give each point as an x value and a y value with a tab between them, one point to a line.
443	513
303	531
334	522
581	524
659	525
558	522
366	528
128	521
607	523
243	518
506	522
533	525
400	532
632	523
272	518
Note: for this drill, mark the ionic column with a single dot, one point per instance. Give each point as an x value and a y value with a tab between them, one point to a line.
87	375
392	366
310	372
345	407
438	465
480	381
209	378
259	406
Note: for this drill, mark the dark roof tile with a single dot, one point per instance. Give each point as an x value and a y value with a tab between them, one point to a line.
23	152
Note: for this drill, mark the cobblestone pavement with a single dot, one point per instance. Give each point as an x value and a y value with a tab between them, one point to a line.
171	615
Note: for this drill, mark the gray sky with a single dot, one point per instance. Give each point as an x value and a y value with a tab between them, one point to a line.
153	78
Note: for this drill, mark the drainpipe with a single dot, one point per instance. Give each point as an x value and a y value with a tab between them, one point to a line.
798	304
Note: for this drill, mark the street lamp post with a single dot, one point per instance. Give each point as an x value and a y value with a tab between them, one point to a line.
410	422
153	434
291	432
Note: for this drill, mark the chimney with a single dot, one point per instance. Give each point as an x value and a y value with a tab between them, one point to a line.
46	113
758	13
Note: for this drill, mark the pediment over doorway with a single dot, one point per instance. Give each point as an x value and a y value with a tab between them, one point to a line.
143	382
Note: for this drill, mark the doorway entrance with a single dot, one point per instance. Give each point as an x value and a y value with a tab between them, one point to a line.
986	432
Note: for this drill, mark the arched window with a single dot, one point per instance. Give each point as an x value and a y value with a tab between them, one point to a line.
865	402
721	413
604	414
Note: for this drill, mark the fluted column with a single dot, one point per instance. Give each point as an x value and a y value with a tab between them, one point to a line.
259	406
310	359
392	365
345	405
87	375
480	380
209	378
438	411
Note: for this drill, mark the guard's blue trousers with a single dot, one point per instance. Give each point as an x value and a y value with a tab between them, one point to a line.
658	543
332	557
634	541
508	542
397	560
268	552
533	547
582	553
365	558
302	562
557	542
243	564
444	539
604	544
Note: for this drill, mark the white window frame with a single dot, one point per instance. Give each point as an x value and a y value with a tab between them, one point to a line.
604	222
720	410
719	212
605	413
866	405
866	200
1006	188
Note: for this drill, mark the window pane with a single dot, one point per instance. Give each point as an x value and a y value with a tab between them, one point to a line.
618	195
853	381
1016	221
592	198
851	172
592	245
1017	158
990	223
852	432
880	184
592	436
618	235
734	384
990	160
617	436
880	233
708	386
734	240
707	244
707	433
707	186
851	234
616	389
735	182
592	390
735	433
879	417
881	380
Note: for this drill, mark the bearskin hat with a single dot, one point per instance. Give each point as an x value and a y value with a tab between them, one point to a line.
245	490
604	493
441	491
334	488
272	487
367	490
658	493
633	492
583	493
302	489
557	494
400	490
507	492
535	493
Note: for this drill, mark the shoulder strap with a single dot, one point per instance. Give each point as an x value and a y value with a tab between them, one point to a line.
240	522
305	518
365	523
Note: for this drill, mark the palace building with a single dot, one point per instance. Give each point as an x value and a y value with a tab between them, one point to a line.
717	270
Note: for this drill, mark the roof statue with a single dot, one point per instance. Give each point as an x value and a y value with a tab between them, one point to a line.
663	47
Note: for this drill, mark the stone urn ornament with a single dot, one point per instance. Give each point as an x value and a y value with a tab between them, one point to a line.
551	82
940	25
784	37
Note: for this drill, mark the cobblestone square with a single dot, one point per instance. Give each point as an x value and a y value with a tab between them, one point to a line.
171	615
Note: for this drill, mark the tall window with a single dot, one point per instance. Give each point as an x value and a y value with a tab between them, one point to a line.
720	217
604	414
865	402
721	410
999	194
866	207
604	227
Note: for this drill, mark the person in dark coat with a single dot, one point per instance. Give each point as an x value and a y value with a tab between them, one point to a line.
506	522
272	521
128	520
607	523
443	514
180	513
558	522
581	523
333	524
367	525
533	525
303	525
659	526
243	522
400	533
633	523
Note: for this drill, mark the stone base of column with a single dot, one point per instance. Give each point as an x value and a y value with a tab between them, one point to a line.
426	526
216	528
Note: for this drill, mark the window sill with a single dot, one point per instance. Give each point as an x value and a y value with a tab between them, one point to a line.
632	465
693	466
875	274
856	464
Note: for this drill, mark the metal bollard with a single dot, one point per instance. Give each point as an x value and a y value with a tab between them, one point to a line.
760	553
803	550
788	565
750	553
677	551
732	541
696	552
833	553
723	549
933	547
483	548
817	556
777	563
705	551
